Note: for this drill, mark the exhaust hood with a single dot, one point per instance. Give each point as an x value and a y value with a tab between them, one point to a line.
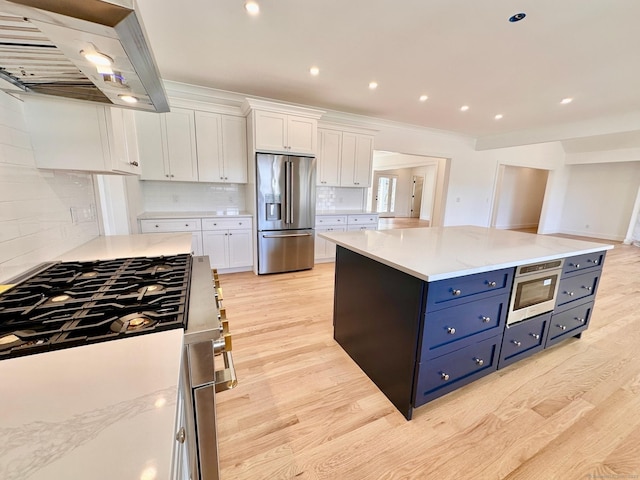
43	44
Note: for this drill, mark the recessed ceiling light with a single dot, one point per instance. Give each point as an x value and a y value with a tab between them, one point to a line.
566	101
464	108
373	85
128	98
96	57
314	71
423	98
498	116
517	17
252	7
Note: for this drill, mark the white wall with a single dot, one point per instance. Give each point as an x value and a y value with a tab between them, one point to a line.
521	195
42	213
599	199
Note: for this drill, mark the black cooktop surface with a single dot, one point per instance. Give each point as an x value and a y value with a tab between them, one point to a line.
76	303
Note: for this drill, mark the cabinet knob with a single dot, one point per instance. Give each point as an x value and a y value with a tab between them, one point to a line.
516	343
576	265
535	335
562	327
221	178
581	320
444	376
479	361
569	293
587	288
181	436
491	284
134	163
157	226
595	262
226	178
451	330
186	224
166	175
172	175
456	292
486	319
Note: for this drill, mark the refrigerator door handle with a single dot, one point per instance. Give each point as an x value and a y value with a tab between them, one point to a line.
287	235
288	167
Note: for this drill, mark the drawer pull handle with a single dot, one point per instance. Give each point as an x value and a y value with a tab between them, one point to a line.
516	343
569	293
444	376
451	330
587	288
581	320
479	361
456	292
562	327
491	284
486	319
535	335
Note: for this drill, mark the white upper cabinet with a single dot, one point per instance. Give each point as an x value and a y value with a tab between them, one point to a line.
344	158
222	147
167	145
70	135
281	128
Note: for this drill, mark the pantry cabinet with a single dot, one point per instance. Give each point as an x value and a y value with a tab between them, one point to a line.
167	145
221	147
345	158
83	137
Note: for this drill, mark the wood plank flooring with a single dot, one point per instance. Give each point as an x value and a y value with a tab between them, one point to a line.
304	410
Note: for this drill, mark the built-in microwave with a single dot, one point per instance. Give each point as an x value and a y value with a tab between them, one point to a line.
535	287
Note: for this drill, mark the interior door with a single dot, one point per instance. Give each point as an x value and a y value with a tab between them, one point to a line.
416	195
384	194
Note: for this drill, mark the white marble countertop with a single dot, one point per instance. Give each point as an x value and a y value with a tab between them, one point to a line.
209	214
345	212
122	246
102	412
446	252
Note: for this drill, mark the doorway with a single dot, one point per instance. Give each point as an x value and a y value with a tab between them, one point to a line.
384	194
416	195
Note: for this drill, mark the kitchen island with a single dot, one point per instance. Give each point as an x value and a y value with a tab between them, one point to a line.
102	410
423	311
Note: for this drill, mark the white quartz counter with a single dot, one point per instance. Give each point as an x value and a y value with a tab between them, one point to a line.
121	246
446	252
209	214
102	412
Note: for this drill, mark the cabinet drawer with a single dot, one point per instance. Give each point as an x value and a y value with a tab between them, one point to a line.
569	323
578	287
581	262
523	339
352	228
443	328
448	372
172	225
331	220
448	292
237	223
359	219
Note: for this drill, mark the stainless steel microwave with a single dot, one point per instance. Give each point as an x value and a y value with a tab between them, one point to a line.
535	288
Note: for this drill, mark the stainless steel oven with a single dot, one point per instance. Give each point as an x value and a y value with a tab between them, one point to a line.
535	287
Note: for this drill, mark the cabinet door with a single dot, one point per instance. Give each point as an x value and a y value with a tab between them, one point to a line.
181	144
123	145
234	149
329	148
270	131
216	246
240	248
302	135
196	243
209	146
363	160
151	147
348	160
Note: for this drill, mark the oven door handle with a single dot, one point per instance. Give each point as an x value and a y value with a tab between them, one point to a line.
226	379
207	443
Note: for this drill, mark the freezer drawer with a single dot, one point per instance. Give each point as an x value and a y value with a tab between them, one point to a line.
285	251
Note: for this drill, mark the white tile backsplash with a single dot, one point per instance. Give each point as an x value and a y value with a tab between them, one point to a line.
36	223
338	198
192	197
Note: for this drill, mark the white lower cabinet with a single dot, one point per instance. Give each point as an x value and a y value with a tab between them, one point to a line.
176	225
228	242
180	464
325	251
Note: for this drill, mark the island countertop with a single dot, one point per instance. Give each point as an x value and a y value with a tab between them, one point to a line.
437	253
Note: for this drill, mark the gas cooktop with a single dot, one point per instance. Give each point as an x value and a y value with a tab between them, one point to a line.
75	303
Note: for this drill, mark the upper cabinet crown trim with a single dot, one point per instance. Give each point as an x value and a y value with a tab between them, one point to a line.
255	104
347	128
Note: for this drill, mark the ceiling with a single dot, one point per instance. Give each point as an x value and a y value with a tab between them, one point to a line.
458	52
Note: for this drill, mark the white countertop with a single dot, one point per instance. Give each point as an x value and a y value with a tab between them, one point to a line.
446	252
209	214
122	246
102	412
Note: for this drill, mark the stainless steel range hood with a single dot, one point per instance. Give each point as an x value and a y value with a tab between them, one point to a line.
40	52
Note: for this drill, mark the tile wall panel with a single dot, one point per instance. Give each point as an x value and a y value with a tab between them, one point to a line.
43	213
192	197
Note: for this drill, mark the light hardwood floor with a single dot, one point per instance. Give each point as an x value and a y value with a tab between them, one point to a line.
401	222
304	410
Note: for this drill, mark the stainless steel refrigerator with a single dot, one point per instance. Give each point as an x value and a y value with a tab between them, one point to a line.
286	211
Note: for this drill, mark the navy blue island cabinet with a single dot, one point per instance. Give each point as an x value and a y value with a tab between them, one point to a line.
419	340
